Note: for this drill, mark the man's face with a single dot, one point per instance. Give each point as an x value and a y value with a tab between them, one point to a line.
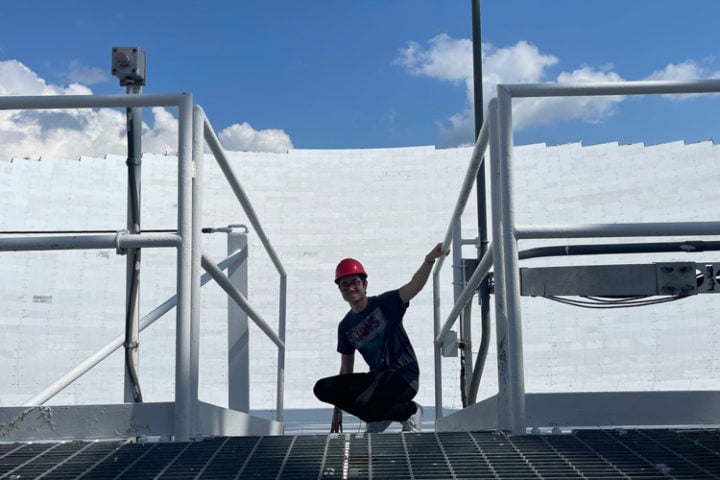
352	288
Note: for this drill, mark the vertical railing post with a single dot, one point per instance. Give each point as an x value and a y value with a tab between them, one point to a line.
464	323
511	266
198	144
501	319
238	333
280	407
437	347
184	403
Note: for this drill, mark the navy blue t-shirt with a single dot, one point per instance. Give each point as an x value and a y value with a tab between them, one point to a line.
378	334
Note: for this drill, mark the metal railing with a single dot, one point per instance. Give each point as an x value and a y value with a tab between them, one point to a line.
193	131
497	135
278	339
94	359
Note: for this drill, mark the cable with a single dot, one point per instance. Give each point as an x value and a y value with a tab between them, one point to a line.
134	255
600	303
640	299
612	303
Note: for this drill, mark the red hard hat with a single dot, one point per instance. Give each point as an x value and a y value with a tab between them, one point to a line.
348	266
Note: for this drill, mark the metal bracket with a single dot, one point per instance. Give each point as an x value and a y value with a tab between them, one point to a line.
469	266
118	249
450	345
676	278
707	277
662	278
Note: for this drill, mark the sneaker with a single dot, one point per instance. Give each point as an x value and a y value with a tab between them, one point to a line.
378	427
414	423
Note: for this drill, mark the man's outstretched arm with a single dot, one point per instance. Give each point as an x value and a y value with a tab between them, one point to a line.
419	279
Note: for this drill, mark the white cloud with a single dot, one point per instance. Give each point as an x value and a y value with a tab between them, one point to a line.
683	71
244	137
544	111
96	132
521	63
17	79
687	70
451	60
163	137
58	133
86	75
445	58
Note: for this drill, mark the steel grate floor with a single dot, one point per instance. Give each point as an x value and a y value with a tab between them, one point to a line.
587	454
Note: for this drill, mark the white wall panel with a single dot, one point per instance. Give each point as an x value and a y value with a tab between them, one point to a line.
386	207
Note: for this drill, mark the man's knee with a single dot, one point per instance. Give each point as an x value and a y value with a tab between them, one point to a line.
321	389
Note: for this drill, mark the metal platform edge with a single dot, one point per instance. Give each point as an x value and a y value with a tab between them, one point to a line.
123	421
595	410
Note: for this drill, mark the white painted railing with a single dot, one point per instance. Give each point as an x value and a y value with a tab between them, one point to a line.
193	132
497	135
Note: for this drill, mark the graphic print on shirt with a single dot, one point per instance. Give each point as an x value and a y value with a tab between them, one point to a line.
367	337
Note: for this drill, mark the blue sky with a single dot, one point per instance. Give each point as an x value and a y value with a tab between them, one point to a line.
281	74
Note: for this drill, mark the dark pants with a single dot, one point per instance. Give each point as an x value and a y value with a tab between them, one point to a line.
369	396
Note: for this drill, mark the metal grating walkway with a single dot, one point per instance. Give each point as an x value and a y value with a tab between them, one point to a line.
588	454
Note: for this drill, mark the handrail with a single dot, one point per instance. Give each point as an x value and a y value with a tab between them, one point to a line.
121	240
506	234
183	102
466	295
645	87
476	161
92	101
219	154
58	385
185	239
512	406
240	299
597	230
